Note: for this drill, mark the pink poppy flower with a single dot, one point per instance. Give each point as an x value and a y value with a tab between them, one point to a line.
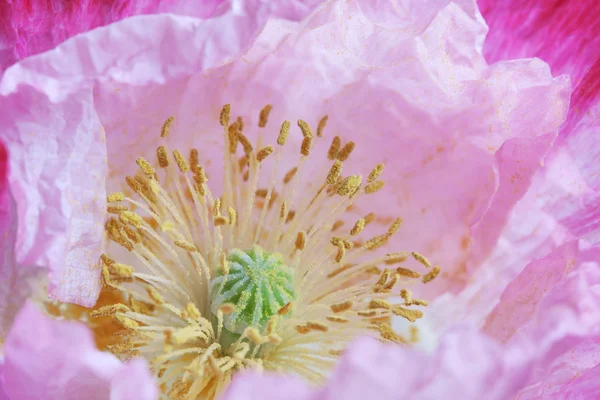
462	141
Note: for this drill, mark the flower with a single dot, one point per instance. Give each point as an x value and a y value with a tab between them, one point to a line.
389	80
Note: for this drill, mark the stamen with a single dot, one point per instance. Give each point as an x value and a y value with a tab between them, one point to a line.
306	132
181	163
422	259
334	149
334	172
224	117
321	126
115	197
264	115
431	275
283	133
263	153
358	227
146	167
377	171
346	151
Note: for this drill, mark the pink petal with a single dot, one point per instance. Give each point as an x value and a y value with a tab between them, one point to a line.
32	27
48	359
251	385
59	141
557	31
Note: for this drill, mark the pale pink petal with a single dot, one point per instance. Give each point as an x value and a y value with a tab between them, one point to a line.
251	385
58	360
57	147
424	101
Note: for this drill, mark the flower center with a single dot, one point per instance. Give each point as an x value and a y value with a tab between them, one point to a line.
257	283
262	277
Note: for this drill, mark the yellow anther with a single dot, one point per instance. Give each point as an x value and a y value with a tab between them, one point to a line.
321	126
164	132
419	302
422	259
306	132
181	163
338	319
163	158
411	315
264	115
224	117
116	209
106	260
431	275
334	172
221	220
240	123
286	308
245	144
376	242
395	226
370	217
334	149
232	215
306	145
129	217
194	160
264	153
341	307
393	258
185	245
115	197
133	184
340	253
317	326
200	175
224	264
127	323
233	136
253	335
145	167
109	310
217	207
346	151
121	270
192	311
385	275
301	240
367	313
392	282
337	225
375	173
282	210
349	185
227	308
379	303
388	333
374	187
154	295
406	294
358	227
290	174
283	133
302	329
407	272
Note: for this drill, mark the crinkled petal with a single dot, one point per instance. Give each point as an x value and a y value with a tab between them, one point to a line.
55	136
58	360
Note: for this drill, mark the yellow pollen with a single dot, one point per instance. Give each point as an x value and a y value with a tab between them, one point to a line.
422	259
164	132
378	303
180	160
232	215
116	209
282	210
127	323
410	315
233	136
377	171
349	185
385	275
346	151
321	126
217	207
431	275
283	133
194	162
263	153
185	245
374	187
122	270
334	172
300	240
129	217
334	149
264	115
369	218
376	242
286	308
407	272
245	144
306	132
337	319
163	158
240	123
154	295
115	197
340	253
317	326
341	307
394	258
306	145
109	310
395	226
290	174
224	117
358	227
145	167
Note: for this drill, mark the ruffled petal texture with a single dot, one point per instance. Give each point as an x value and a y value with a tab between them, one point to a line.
426	87
57	360
52	127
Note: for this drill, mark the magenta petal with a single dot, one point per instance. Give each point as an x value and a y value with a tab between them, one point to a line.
58	360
